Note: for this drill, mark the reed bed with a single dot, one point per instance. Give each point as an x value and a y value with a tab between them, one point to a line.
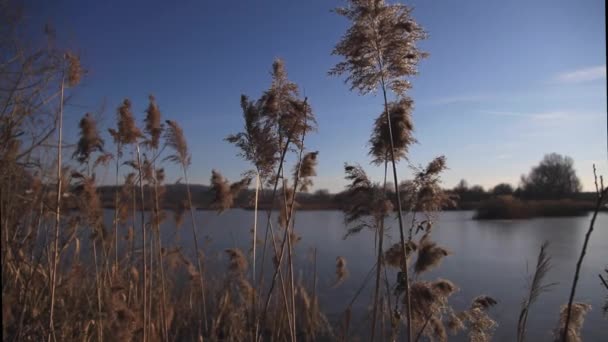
67	275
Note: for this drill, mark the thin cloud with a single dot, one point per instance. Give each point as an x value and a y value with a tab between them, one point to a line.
539	116
460	99
582	75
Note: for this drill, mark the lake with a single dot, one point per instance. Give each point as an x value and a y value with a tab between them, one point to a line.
494	258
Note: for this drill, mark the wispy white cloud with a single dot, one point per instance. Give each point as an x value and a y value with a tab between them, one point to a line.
582	75
540	116
460	99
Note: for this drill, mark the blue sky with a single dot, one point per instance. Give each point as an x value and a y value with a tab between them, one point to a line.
505	83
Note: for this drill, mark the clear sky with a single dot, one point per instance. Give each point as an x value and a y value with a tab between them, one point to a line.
506	81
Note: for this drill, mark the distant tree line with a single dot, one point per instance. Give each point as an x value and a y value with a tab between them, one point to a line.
554	178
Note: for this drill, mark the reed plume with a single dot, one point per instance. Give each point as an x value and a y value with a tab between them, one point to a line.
175	139
578	311
238	261
306	170
153	126
480	325
128	132
402	132
341	271
379	48
89	141
393	256
224	192
257	142
429	255
429	303
74	69
537	287
363	198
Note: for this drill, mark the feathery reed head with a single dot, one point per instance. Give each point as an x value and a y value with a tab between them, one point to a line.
394	255
74	69
341	271
402	130
238	261
306	170
444	287
89	141
128	132
454	323
258	141
175	139
153	126
436	166
222	199
379	47
225	193
483	302
429	255
577	318
363	198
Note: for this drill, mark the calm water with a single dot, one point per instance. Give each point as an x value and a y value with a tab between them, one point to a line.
489	257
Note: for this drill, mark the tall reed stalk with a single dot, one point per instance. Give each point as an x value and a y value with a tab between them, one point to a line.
601	197
174	136
143	240
57	215
380	51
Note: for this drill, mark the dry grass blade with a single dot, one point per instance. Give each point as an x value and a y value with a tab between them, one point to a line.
543	265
